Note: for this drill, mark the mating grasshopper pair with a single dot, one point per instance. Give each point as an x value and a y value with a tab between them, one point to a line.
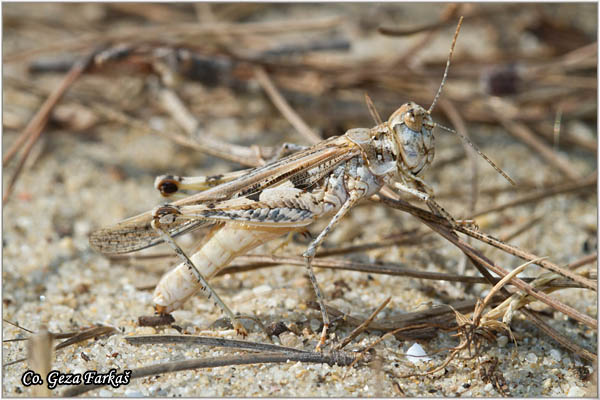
250	207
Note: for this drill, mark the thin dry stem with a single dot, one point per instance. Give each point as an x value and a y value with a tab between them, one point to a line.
439	225
283	106
35	127
362	327
154	33
562	188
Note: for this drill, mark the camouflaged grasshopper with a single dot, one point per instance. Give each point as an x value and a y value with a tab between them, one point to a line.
248	208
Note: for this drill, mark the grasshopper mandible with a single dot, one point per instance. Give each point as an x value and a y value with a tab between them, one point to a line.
250	207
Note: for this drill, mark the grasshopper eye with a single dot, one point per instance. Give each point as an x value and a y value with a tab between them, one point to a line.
413	119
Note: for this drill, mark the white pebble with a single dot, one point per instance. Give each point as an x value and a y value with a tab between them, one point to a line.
290	303
531	358
416	354
547	383
262	289
556	355
133	393
289	339
576	391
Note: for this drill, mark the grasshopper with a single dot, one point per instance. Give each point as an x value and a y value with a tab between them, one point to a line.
248	208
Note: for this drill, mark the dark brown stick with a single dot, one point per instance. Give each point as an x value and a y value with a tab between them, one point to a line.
336	358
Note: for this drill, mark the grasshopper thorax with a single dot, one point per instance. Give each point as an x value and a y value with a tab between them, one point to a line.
411	129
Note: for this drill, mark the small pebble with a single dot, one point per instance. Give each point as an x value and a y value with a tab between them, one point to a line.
133	393
531	358
261	290
416	354
555	354
315	324
576	391
290	303
145	330
289	339
502	341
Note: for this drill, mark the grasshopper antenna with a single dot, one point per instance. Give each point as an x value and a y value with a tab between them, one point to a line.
486	158
437	95
463	137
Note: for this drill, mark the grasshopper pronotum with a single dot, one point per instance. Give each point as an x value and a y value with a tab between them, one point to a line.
251	207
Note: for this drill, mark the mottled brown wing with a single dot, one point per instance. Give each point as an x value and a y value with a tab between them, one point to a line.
306	167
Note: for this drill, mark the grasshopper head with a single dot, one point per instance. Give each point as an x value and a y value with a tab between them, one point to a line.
412	133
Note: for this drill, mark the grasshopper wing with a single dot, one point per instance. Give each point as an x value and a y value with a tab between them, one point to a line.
303	169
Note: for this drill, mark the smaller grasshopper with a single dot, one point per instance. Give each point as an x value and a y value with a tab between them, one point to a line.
248	208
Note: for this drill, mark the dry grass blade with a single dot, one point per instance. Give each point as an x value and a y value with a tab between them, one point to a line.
396	332
362	327
157	33
543	129
210	341
522	132
36	125
514	250
561	339
440	225
387	269
476	329
569	187
282	105
443	22
521	229
17	326
582	261
86	334
387	31
256	261
75	337
478	313
490	265
240	154
438	315
334	358
407	238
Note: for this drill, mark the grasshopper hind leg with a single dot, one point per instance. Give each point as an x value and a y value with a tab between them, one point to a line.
309	255
165	213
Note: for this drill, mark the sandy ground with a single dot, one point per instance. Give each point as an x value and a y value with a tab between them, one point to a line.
82	181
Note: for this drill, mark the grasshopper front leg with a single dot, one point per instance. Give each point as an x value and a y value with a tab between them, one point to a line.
429	200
